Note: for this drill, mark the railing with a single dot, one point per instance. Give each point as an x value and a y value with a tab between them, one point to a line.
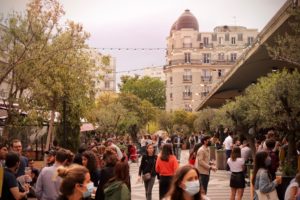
200	62
187	95
204	94
206	79
187	78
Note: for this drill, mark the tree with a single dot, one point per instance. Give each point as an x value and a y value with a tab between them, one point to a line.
286	46
146	88
204	120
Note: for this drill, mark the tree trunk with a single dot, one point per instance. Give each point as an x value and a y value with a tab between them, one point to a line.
50	130
292	151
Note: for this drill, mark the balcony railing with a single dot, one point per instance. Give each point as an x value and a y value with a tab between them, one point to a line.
187	78
200	62
206	79
187	95
204	94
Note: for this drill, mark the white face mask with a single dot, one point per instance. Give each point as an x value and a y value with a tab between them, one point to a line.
192	187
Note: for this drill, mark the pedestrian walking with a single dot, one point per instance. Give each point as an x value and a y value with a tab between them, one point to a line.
76	183
237	178
292	191
185	184
203	164
147	170
166	165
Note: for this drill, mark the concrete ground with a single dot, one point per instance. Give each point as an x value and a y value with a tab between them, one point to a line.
218	187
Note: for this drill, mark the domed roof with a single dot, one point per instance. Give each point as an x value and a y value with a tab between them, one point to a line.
187	20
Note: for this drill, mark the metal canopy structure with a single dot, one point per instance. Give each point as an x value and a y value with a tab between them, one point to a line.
254	63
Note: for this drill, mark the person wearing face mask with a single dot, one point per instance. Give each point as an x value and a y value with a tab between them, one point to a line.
185	185
76	183
262	179
10	188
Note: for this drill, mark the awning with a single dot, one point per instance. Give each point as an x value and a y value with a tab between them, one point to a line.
87	127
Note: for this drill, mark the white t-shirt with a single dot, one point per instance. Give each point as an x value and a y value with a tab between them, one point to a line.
228	142
237	165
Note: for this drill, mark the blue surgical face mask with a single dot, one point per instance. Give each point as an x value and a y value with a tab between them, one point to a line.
192	187
89	191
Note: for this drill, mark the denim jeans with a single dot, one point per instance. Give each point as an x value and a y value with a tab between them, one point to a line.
204	178
148	187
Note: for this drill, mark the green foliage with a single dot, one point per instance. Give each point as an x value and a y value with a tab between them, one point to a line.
286	46
146	88
204	120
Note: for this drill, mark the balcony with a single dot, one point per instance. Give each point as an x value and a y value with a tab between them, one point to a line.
187	95
204	94
199	62
206	79
182	62
187	78
187	45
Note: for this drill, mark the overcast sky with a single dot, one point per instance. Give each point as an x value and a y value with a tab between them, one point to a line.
146	23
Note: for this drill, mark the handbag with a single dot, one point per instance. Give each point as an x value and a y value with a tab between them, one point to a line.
146	176
267	196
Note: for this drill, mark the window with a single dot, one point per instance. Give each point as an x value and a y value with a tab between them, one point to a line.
205	41
221	73
187	42
206	72
220	40
206	58
240	37
187	76
107	84
187	57
214	37
199	37
187	92
233	57
171	80
233	40
250	40
227	37
221	56
171	96
188	107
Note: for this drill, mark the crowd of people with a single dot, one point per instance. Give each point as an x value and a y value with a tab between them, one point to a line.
100	170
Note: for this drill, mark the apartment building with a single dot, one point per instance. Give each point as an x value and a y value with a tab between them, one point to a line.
196	61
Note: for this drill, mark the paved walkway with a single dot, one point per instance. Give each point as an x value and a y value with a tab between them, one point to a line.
218	188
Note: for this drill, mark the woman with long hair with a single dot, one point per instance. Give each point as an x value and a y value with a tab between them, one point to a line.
76	183
118	187
110	159
261	175
89	160
185	184
166	165
147	169
237	178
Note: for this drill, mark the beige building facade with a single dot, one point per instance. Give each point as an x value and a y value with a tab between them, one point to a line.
154	72
104	76
197	61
